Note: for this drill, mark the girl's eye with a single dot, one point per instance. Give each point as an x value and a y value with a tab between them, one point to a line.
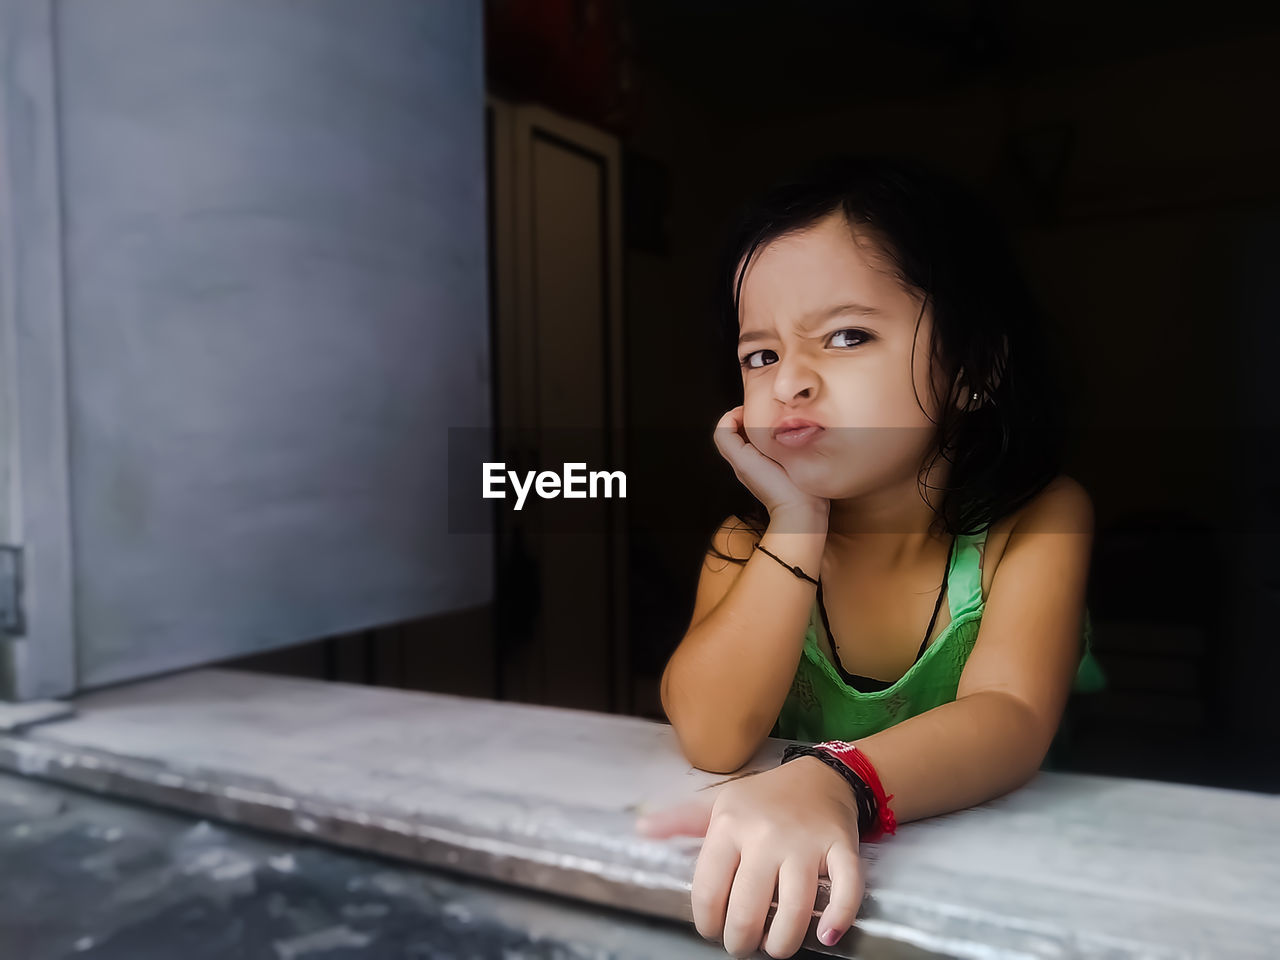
755	360
861	334
747	361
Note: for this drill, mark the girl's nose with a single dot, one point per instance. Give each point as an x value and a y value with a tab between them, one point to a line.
794	378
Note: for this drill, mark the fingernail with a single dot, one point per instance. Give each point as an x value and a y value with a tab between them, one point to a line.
829	936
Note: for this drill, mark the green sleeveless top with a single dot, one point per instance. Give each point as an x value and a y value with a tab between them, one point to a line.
821	706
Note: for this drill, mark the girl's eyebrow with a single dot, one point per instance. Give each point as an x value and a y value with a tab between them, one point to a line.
814	319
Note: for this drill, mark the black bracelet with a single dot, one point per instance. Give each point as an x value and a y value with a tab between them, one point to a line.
796	570
864	798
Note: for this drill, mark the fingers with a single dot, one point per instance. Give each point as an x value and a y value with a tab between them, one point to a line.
749	902
746	459
689	819
728	437
848	885
713	874
797	891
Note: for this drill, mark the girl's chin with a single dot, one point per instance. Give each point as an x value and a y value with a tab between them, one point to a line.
823	486
823	478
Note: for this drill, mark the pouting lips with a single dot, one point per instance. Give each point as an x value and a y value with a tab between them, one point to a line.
798	435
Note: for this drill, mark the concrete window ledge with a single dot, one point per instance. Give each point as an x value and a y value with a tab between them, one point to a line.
546	798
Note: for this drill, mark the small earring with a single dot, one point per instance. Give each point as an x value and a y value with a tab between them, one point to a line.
975	396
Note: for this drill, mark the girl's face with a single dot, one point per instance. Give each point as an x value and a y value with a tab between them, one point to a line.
849	370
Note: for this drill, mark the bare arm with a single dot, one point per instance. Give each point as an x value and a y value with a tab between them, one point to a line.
993	737
723	687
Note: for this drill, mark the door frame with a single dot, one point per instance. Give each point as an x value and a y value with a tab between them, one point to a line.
513	129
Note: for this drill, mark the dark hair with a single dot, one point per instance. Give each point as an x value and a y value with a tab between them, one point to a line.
951	248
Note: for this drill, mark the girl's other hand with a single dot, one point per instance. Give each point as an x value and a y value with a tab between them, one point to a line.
767	479
781	828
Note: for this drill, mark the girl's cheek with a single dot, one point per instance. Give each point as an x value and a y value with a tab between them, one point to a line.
756	434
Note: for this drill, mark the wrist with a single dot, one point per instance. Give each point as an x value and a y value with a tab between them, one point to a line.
817	771
799	518
801	553
874	816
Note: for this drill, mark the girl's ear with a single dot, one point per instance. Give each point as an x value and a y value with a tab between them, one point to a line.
966	399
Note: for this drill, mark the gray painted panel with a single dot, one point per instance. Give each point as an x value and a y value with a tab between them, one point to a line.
36	511
276	306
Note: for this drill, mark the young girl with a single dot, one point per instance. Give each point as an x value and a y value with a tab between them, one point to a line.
911	580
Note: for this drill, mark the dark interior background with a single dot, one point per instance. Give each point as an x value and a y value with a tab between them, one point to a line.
1134	155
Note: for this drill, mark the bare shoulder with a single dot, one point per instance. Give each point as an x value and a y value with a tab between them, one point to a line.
1062	506
1028	645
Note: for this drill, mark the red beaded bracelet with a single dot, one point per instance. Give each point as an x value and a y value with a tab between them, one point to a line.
857	761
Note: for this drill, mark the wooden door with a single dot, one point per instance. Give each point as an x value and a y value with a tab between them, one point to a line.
558	342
